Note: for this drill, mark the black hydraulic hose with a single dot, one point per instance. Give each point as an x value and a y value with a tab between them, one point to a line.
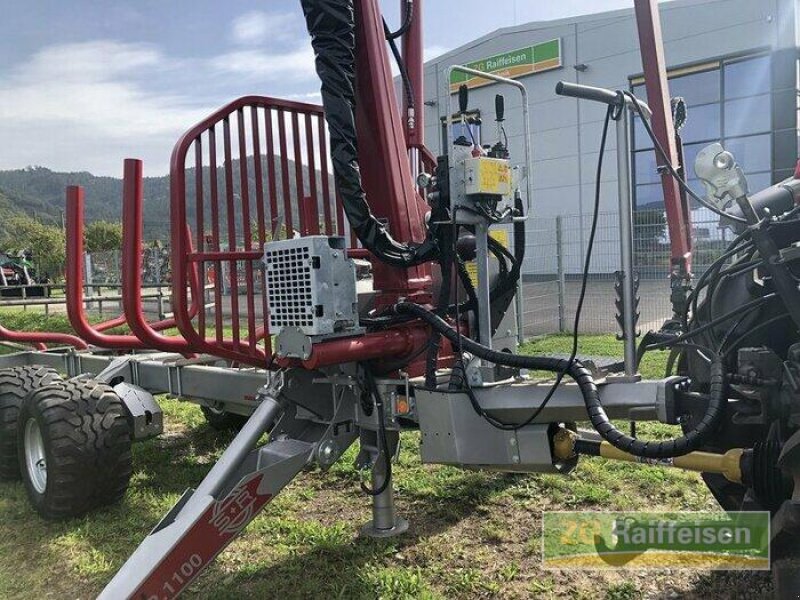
401	66
446	269
331	24
739	310
761	326
409	18
519	233
684	444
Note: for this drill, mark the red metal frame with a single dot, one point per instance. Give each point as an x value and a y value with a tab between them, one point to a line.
655	79
40	339
233	244
75	310
132	227
383	156
230	245
237	243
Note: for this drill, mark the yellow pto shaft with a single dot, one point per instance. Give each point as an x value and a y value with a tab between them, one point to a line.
728	464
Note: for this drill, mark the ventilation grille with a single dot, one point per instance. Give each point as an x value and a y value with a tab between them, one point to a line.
290	287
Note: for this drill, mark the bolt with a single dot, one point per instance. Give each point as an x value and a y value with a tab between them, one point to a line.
724	160
515	458
326	454
512	441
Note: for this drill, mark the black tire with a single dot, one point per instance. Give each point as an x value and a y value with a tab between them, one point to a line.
86	444
15	384
222	420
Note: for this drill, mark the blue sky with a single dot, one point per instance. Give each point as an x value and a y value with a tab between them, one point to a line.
86	83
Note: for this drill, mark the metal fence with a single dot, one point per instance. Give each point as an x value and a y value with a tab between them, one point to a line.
551	281
554	257
105	267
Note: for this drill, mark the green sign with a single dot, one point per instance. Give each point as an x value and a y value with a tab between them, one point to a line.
517	63
695	540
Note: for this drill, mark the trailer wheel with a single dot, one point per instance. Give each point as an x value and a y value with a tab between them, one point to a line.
74	447
222	420
15	384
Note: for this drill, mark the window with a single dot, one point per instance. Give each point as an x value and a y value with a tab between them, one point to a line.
702	123
729	102
747	115
748	77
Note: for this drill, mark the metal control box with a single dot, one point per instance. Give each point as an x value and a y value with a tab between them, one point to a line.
311	286
454	434
484	175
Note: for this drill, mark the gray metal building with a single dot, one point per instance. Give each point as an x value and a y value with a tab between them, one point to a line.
734	62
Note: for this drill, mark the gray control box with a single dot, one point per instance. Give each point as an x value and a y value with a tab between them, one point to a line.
311	286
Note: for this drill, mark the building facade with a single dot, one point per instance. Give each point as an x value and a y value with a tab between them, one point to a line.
733	61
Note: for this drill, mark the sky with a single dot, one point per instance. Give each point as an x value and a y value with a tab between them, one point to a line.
87	83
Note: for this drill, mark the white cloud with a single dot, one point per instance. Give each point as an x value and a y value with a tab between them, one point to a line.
294	66
74	106
310	97
87	106
258	27
88	61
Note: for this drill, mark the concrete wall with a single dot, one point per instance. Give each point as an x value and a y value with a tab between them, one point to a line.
566	132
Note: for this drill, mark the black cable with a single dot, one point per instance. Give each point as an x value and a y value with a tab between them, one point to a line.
733	249
570	363
668	165
735	344
747	306
715	281
331	25
731	331
679	446
446	270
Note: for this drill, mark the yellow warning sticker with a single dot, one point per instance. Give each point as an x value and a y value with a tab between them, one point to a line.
495	177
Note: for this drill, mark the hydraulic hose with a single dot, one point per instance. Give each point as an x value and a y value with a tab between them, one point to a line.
331	24
393	35
679	446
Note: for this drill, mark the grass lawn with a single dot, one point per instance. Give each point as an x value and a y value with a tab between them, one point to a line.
473	534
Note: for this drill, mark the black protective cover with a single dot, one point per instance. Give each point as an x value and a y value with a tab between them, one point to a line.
331	24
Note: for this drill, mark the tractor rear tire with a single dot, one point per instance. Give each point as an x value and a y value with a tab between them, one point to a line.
222	420
74	448
15	385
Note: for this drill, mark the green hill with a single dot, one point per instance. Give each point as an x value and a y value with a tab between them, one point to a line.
39	192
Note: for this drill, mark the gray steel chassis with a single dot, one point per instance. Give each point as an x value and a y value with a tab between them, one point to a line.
313	417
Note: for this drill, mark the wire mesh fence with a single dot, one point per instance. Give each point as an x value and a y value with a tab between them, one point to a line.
105	267
554	257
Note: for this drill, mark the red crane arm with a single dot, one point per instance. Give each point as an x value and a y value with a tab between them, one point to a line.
655	77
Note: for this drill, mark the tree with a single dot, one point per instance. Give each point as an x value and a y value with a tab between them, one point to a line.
102	236
47	243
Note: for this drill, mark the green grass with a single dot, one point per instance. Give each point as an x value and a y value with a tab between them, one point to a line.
473	534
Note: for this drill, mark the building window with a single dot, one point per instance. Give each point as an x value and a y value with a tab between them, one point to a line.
728	101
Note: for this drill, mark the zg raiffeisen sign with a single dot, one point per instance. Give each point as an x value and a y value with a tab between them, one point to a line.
517	63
